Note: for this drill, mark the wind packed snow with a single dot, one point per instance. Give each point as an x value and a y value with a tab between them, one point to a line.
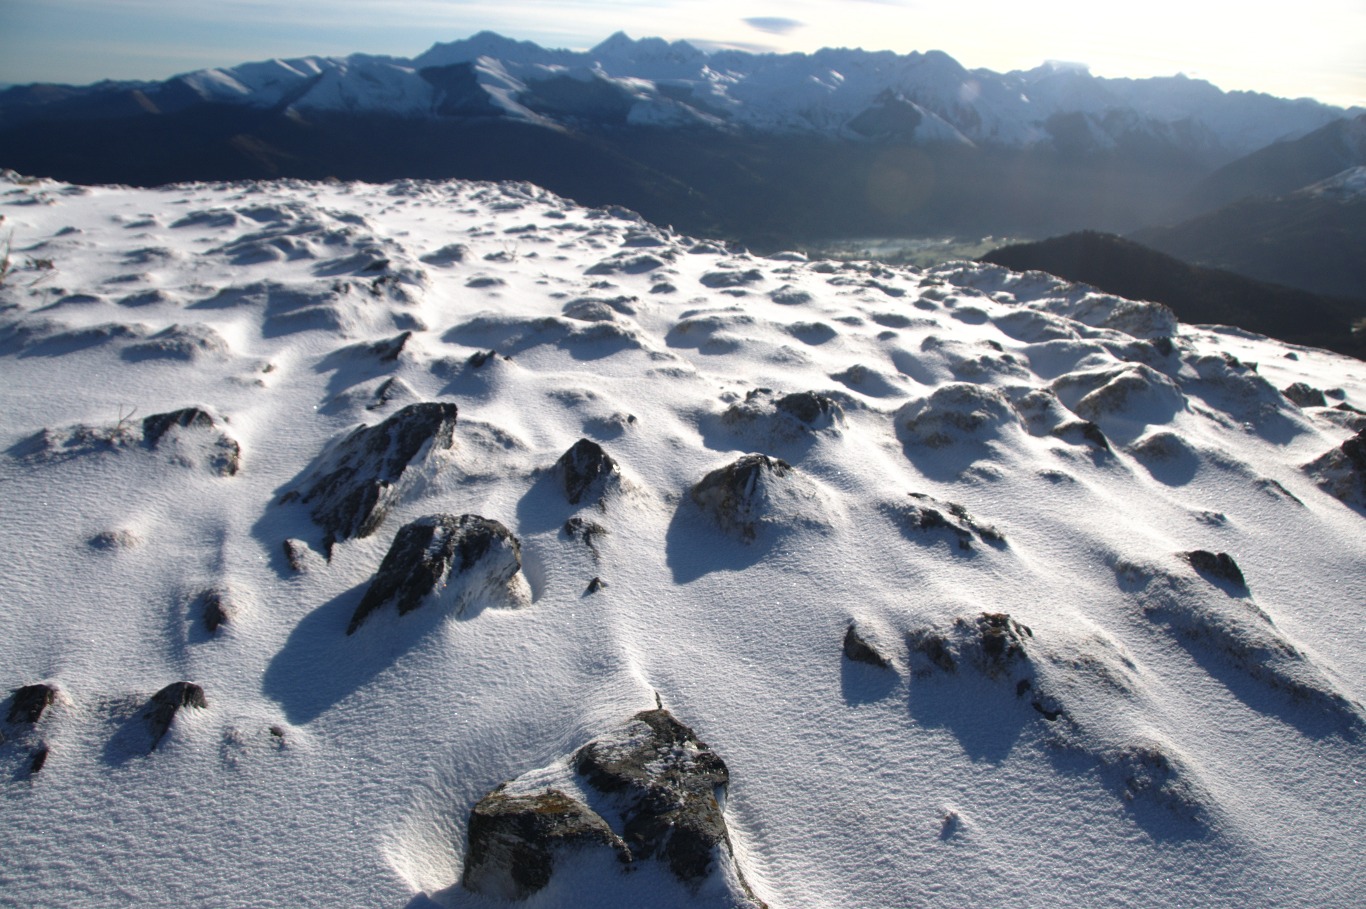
981	589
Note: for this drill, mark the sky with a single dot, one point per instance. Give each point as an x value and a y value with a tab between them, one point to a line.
1314	48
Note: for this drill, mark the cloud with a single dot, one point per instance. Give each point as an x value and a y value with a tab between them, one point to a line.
774	25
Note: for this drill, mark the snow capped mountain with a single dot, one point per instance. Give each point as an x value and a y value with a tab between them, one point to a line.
450	544
835	92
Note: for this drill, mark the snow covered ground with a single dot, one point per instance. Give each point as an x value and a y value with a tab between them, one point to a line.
1015	492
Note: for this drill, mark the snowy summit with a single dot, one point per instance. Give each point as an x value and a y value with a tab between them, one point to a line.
449	544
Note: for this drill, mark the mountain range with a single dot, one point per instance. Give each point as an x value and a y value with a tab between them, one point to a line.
753	146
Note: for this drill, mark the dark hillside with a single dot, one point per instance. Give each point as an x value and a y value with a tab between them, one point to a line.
1197	295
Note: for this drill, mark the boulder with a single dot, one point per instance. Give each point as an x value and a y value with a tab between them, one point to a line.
514	840
30	701
925	514
739	495
352	489
1219	566
1342	471
585	471
860	651
436	552
1304	395
167	702
665	783
217	609
220	452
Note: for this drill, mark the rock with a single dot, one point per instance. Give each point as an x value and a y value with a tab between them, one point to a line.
595	585
1305	395
585	531
157	425
737	495
956	413
1342	471
39	760
925	514
217	609
1220	566
30	701
110	540
167	702
792	416
514	839
387	351
860	651
296	554
586	470
993	642
221	453
353	487
731	278
808	407
665	782
436	551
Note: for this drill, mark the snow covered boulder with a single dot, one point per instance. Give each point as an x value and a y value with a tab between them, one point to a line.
167	702
1218	566
959	412
749	493
353	487
664	782
586	471
860	651
926	515
466	558
768	418
1342	471
514	840
185	433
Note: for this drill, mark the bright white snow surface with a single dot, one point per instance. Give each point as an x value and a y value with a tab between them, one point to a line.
1206	740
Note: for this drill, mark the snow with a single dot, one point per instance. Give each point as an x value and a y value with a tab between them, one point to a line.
1207	747
820	92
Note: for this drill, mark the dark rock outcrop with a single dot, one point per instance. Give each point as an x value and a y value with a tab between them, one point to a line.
992	643
735	495
1216	565
29	703
167	702
514	839
585	470
656	792
665	782
157	425
352	490
860	651
1305	395
435	552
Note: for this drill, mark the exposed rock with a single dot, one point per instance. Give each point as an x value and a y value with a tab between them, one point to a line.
30	701
157	425
738	495
433	553
925	514
1220	566
110	540
217	609
1342	471
595	585
296	554
585	531
860	651
514	840
665	781
785	418
585	470
221	452
167	702
353	487
1149	772
39	760
1305	395
993	643
387	351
